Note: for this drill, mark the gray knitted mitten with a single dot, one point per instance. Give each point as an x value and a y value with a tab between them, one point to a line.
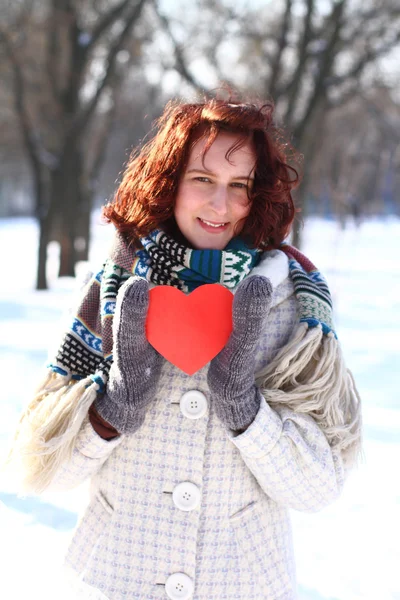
136	366
231	373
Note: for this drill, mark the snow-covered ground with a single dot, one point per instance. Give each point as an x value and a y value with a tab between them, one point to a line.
349	551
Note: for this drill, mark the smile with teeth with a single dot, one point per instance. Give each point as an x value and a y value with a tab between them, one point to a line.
213	224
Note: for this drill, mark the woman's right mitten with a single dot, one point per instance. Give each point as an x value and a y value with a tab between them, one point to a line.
136	366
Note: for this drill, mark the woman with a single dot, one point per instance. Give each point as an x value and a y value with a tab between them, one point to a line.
192	476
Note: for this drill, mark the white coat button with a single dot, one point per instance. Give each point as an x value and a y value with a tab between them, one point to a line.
193	404
179	586
186	496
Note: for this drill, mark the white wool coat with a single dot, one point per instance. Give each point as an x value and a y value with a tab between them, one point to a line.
138	540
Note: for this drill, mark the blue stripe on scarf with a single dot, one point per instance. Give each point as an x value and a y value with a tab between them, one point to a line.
88	337
311	322
206	264
188	276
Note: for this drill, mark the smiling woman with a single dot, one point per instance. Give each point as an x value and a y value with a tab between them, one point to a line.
193	475
250	157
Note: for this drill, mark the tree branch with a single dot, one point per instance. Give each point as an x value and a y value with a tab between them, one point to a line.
369	56
282	44
362	21
19	98
38	156
52	54
334	22
104	23
101	143
180	61
83	118
294	87
258	38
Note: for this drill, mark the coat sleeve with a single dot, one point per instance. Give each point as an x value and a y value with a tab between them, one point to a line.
55	445
90	450
88	456
291	459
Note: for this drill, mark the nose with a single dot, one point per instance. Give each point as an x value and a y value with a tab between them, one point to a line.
219	200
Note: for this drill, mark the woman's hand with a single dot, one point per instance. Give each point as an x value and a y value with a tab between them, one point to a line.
231	373
136	366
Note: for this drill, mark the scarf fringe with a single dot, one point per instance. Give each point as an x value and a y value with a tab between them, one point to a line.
308	375
47	430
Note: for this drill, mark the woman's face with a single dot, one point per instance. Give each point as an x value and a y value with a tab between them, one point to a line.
212	198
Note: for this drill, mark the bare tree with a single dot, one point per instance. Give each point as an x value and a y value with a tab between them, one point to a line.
64	61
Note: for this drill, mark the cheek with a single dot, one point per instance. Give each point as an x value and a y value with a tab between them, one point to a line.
240	216
242	211
186	203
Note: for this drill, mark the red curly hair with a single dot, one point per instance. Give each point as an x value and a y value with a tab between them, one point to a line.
145	199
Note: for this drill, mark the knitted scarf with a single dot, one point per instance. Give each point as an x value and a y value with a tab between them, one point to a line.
308	374
163	261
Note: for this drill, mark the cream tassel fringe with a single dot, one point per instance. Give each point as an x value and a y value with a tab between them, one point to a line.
47	431
308	375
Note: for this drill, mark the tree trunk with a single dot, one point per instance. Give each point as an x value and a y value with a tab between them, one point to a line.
44	232
67	255
83	223
43	215
68	197
297	228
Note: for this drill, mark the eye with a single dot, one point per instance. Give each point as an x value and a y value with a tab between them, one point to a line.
202	179
241	186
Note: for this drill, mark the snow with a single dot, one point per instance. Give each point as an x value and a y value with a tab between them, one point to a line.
348	551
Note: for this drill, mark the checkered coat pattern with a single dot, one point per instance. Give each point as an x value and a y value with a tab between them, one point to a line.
237	545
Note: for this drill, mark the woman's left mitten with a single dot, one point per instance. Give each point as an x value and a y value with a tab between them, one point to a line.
231	374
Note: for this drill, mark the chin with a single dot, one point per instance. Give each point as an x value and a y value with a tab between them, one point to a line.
212	245
204	242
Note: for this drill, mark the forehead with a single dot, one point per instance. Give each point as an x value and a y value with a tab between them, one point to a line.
222	152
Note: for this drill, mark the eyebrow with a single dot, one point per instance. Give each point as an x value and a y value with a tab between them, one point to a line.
245	177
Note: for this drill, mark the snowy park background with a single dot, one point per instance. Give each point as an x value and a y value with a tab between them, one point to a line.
349	551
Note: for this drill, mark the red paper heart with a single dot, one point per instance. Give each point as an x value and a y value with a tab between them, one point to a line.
189	330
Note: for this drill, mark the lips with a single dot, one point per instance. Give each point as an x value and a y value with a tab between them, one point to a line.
212	226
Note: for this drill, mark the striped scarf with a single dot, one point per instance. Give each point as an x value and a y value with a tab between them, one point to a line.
87	348
163	261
